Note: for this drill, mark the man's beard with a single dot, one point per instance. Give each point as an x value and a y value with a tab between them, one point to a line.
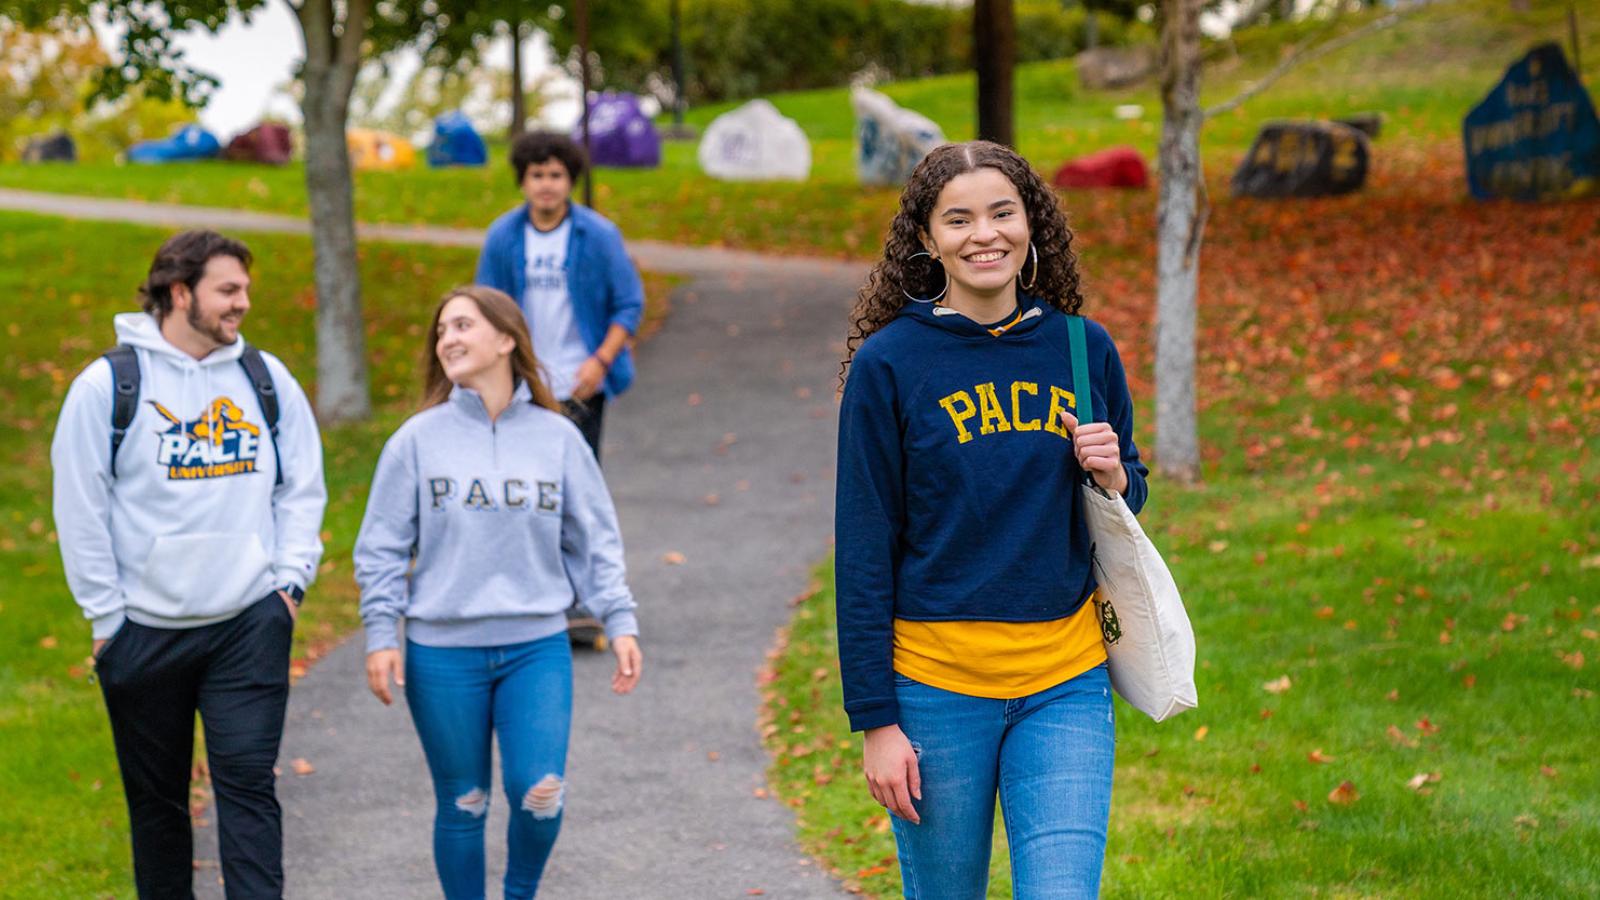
212	330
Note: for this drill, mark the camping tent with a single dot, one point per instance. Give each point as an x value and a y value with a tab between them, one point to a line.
620	134
755	143
268	143
188	142
456	142
890	140
57	147
379	150
1114	167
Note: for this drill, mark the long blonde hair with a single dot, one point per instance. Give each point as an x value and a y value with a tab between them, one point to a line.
503	313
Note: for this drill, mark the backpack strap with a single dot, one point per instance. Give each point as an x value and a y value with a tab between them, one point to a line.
1082	398
124	362
1079	345
266	394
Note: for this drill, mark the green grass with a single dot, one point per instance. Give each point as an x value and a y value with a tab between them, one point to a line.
64	825
1425	74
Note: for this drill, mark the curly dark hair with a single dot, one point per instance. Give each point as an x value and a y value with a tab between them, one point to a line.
182	259
537	147
897	274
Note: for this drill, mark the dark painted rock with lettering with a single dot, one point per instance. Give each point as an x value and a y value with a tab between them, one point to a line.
1535	137
1303	159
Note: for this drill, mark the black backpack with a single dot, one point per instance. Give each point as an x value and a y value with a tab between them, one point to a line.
125	377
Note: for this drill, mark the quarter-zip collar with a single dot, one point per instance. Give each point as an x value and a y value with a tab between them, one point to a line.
470	402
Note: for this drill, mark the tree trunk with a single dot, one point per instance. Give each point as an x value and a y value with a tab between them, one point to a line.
994	45
680	100
1091	30
519	105
583	98
332	58
1180	224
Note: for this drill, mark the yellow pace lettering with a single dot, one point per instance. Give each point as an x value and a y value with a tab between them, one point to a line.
993	418
1059	400
1017	389
967	411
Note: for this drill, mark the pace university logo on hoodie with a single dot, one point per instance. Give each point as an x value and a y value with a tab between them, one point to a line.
218	443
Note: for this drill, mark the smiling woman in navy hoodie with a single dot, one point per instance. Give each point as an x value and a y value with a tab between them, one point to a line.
487	514
969	645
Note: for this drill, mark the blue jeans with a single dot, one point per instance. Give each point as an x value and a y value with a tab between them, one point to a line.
1049	755
458	696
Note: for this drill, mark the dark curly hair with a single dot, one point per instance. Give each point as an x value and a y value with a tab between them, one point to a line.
182	260
539	147
897	274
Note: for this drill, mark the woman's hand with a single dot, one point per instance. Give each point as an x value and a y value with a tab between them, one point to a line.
629	662
1098	452
891	769
382	666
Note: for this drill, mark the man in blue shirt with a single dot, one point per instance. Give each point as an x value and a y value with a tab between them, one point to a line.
565	264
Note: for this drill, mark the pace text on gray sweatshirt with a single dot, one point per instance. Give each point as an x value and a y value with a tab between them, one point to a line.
479	533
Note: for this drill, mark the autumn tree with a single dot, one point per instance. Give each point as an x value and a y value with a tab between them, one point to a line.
1182	207
337	37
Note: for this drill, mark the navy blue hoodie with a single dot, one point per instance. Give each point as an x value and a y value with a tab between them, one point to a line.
957	489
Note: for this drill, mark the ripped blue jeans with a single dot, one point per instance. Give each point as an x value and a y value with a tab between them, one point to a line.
459	697
1048	756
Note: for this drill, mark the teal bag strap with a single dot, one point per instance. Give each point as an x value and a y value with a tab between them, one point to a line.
1079	345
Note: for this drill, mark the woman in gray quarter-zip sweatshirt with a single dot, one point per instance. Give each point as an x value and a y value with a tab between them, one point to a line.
487	517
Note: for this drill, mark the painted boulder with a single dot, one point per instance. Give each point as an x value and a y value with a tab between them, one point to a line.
755	142
890	140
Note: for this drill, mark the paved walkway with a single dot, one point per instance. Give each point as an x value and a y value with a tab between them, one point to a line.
655	256
723	453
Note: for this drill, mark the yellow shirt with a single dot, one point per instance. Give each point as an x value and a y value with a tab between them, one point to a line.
999	660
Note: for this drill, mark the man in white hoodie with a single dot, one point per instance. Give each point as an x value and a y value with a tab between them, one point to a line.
189	536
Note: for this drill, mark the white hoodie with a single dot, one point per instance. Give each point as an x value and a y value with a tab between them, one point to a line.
191	530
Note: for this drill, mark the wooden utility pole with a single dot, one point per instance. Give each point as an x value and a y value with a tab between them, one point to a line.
519	108
583	81
679	101
994	46
1572	31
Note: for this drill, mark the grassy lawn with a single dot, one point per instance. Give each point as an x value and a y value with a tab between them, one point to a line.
64	826
1399	396
1400	72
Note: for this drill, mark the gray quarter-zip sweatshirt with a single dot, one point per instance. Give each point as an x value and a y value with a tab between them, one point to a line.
481	532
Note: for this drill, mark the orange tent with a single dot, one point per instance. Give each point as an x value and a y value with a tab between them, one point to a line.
379	151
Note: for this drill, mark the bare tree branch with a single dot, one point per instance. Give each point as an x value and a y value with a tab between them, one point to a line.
1304	53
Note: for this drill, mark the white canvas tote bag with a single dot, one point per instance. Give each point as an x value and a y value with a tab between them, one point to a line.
1148	638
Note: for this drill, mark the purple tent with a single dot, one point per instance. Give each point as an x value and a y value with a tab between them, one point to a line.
619	133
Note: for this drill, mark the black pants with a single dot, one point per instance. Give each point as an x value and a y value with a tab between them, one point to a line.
587	415
236	675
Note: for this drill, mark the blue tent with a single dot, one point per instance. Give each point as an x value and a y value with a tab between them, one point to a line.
188	142
456	143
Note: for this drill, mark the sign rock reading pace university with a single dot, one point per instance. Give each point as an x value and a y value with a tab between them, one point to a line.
1535	137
